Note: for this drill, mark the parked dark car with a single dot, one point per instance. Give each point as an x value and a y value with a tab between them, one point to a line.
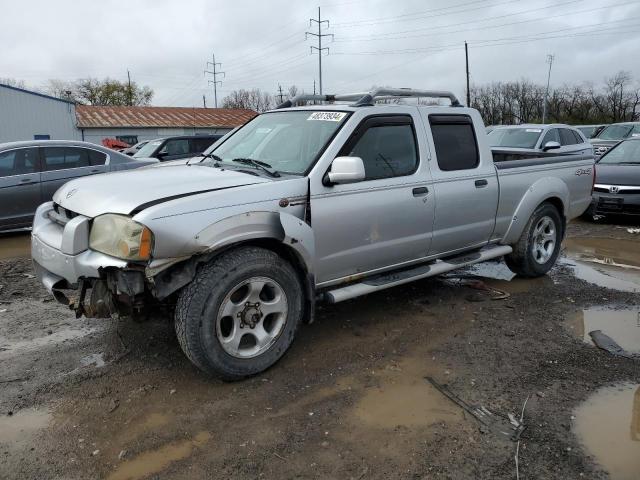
612	134
174	148
133	149
30	173
590	131
617	184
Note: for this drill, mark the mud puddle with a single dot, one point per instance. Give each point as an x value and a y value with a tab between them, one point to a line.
608	425
610	263
155	461
404	398
623	326
15	245
17	429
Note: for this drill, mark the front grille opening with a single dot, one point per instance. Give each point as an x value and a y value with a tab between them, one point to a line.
68	214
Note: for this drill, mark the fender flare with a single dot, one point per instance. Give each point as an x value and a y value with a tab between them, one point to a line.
543	189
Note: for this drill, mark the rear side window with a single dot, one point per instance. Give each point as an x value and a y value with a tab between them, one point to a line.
97	158
455	142
62	158
567	137
579	139
178	146
387	150
18	162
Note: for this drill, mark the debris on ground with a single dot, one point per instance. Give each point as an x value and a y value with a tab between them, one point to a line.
508	426
605	342
633	230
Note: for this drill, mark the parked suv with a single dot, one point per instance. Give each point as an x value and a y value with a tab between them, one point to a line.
612	134
532	140
30	172
174	148
299	205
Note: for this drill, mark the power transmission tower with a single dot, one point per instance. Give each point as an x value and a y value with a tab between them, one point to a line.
215	72
466	56
550	59
280	95
319	48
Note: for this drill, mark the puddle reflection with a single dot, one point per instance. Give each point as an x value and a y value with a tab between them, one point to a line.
15	245
608	425
623	326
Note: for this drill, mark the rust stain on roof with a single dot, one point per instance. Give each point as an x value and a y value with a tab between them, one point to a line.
94	116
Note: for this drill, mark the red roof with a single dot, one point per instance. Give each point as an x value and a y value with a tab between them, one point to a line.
94	116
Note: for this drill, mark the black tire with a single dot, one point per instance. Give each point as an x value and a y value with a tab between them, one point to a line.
199	304
522	260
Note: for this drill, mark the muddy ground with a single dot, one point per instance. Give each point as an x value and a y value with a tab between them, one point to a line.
118	400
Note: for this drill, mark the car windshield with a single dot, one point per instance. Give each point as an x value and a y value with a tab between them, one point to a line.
288	141
587	131
624	153
615	132
148	149
514	137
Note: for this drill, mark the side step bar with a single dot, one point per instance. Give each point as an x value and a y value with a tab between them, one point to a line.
393	279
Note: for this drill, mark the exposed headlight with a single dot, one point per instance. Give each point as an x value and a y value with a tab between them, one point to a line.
121	237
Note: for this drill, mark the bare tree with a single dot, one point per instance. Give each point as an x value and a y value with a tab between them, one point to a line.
92	91
13	82
254	99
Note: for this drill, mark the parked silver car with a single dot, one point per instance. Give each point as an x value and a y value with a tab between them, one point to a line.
612	134
532	140
31	171
302	204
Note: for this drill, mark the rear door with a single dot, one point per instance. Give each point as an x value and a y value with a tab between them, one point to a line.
61	164
19	187
571	142
465	183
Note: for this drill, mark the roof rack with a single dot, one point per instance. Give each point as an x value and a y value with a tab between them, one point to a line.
369	98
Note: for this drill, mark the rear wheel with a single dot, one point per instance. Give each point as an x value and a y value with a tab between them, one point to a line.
539	245
240	314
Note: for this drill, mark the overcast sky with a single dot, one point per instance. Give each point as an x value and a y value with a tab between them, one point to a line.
401	43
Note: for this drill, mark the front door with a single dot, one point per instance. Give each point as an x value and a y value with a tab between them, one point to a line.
465	184
384	220
19	187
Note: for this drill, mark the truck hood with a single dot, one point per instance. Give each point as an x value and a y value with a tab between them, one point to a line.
618	174
126	192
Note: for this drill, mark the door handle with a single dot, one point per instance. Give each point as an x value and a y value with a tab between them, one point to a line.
95	170
481	183
419	191
26	180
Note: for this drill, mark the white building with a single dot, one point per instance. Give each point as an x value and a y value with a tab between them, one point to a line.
27	115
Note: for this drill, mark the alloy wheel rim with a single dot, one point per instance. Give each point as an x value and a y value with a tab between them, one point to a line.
544	240
251	317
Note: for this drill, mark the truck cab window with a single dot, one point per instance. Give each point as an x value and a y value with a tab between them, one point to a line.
387	151
455	142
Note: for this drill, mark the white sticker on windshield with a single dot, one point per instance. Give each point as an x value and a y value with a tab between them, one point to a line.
635	134
327	116
534	130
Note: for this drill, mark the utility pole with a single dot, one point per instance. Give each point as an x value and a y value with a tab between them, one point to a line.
204	101
319	48
130	93
550	59
466	56
215	72
280	95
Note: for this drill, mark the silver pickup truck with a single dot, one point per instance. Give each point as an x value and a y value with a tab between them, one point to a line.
301	205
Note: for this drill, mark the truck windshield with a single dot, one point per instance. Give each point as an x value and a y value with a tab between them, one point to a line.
288	141
625	153
514	137
615	132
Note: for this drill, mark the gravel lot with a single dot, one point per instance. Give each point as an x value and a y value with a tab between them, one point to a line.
118	400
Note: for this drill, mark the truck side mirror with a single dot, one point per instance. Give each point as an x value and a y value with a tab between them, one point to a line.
550	146
346	170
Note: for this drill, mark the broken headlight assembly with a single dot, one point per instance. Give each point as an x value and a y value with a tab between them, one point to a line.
121	237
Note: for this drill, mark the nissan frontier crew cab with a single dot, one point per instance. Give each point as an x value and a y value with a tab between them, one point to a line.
303	204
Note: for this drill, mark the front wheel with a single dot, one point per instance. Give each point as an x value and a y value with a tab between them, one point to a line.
240	313
539	245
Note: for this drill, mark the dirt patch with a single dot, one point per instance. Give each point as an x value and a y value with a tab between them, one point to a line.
15	245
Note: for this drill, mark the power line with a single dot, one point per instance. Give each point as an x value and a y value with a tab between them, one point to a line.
319	48
215	74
